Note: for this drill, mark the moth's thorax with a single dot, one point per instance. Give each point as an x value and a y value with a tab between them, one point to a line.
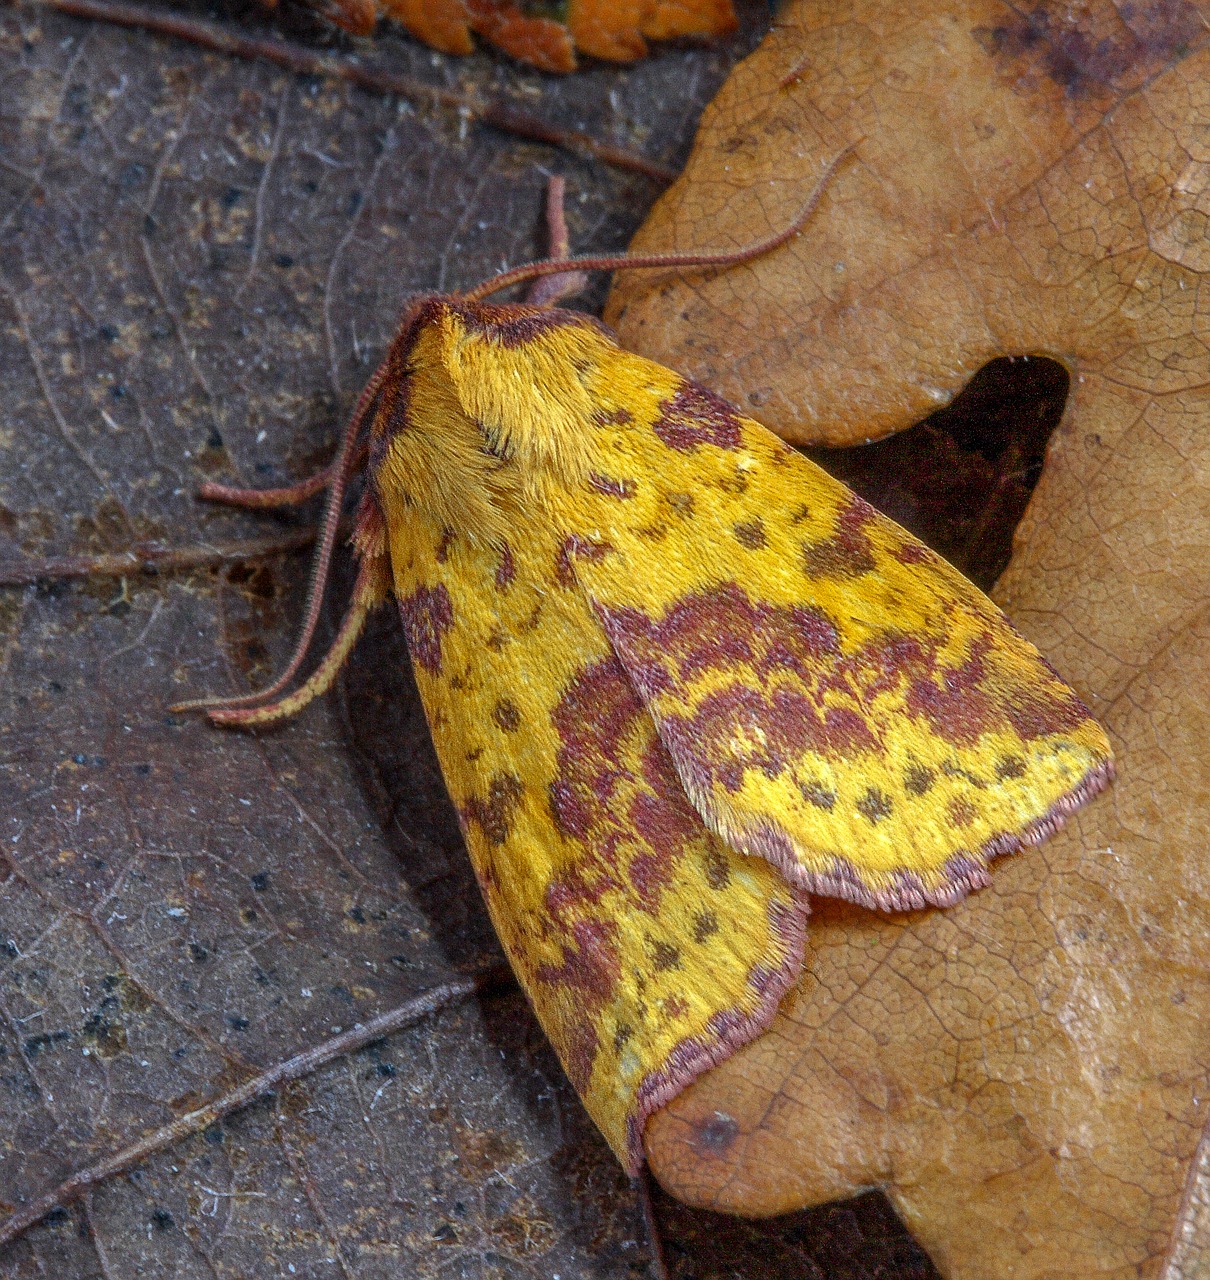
486	412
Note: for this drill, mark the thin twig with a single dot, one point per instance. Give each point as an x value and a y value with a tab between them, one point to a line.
655	1244
295	1068
307	62
150	560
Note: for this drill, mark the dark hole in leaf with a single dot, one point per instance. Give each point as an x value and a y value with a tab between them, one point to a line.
854	1239
961	479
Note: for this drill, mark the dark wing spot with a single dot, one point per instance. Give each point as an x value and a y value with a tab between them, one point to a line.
576	548
821	797
494	815
506	715
428	613
705	925
674	1007
848	553
962	812
612	417
718	873
874	805
1010	767
665	956
695	416
913	553
751	534
506	571
681	503
919	779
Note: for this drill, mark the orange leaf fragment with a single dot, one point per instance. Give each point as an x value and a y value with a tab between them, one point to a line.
448	25
668	19
442	24
616	30
543	42
610	29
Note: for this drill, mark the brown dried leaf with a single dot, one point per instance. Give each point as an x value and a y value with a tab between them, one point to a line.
1026	1073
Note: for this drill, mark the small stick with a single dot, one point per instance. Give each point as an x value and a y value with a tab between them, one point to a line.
295	1068
306	62
655	1244
149	560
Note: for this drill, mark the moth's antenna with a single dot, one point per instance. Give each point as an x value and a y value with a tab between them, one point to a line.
341	469
635	262
369	591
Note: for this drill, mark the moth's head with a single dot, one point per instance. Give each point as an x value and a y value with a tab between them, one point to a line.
485	407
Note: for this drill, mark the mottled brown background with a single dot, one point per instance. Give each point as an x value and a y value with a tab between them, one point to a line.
200	262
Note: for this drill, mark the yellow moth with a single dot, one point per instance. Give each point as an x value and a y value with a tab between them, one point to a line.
677	676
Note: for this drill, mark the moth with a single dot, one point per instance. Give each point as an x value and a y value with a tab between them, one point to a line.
678	678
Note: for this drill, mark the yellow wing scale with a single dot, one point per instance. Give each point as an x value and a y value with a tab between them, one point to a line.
835	696
649	949
676	675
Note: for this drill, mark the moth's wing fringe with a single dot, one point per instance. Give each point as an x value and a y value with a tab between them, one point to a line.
961	875
729	1032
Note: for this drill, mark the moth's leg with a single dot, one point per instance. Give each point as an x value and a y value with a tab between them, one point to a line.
350	456
548	291
287	496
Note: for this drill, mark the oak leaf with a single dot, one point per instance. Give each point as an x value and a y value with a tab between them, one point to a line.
1026	1074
